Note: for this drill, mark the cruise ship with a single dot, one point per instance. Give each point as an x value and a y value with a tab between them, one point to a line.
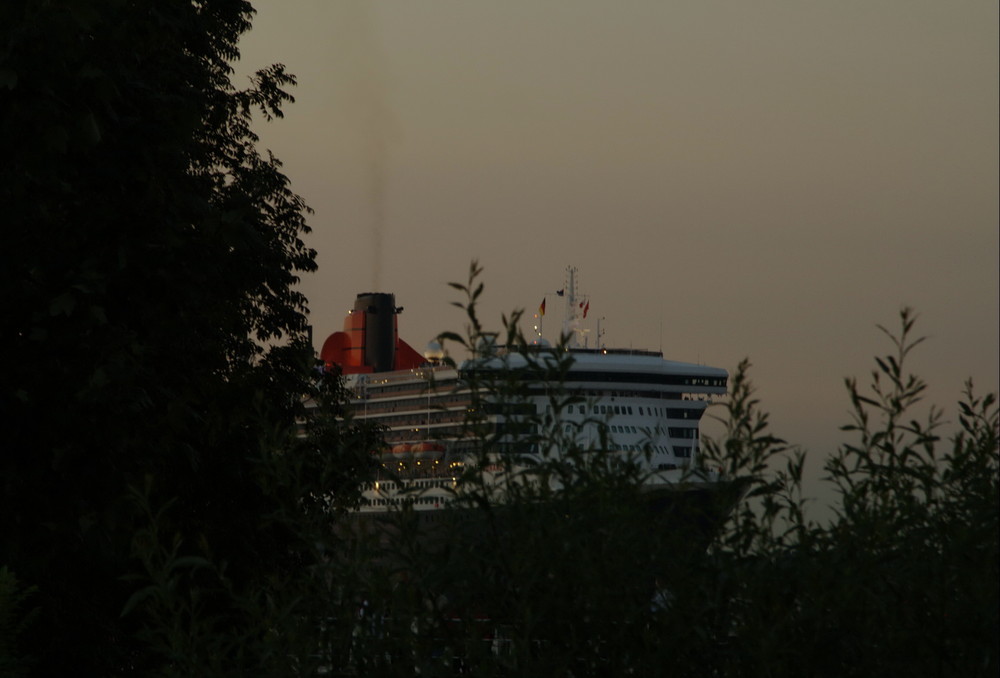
489	420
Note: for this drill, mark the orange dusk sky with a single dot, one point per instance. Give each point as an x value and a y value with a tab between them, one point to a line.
769	179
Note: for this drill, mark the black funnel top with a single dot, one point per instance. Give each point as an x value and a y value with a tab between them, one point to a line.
380	329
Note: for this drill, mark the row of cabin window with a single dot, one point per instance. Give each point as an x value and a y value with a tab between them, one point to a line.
673	431
397	501
376	405
417	432
681	452
411	417
376	391
425	483
670	413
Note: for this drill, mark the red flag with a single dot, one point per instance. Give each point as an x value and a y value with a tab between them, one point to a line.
585	309
541	309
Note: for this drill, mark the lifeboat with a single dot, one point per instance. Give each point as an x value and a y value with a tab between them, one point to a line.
401	452
428	451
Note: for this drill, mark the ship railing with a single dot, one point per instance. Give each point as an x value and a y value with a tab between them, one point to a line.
504	350
375	379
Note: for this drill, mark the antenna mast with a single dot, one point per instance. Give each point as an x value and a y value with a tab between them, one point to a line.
571	321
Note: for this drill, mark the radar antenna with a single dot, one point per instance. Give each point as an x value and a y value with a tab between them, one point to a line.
576	310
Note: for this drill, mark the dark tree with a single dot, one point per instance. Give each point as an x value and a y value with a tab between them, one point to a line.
152	340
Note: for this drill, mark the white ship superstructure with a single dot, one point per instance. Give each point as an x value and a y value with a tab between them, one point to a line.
496	408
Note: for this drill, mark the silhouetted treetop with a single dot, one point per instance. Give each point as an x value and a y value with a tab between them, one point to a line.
152	335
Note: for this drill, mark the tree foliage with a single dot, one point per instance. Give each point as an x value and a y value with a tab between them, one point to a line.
588	581
166	509
153	342
904	579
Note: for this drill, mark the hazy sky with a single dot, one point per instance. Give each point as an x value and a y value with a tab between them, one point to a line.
764	179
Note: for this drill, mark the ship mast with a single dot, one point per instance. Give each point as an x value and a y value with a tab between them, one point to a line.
573	317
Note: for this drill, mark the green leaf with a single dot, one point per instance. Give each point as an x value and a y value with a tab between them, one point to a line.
63	304
8	78
136	598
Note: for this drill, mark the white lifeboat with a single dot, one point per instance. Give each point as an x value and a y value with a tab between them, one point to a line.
427	451
401	452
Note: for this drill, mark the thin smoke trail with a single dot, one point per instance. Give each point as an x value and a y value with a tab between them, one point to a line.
369	115
376	190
